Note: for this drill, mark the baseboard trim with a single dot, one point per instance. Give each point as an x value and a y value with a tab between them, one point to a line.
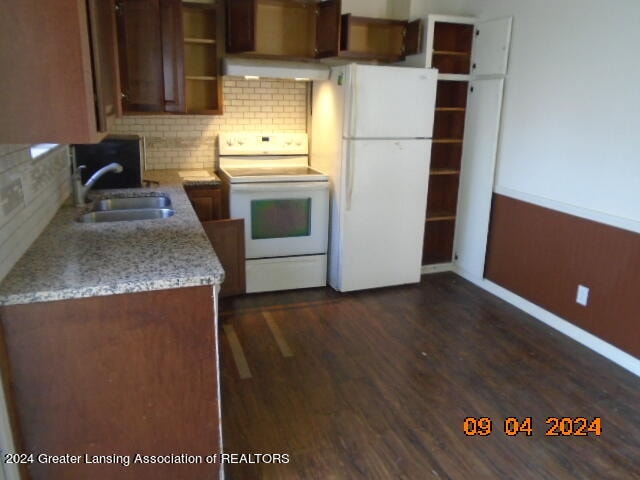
623	359
437	268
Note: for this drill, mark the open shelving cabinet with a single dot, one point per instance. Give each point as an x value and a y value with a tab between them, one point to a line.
202	30
449	47
379	39
290	29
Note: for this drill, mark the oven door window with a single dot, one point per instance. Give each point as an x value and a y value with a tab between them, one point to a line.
280	218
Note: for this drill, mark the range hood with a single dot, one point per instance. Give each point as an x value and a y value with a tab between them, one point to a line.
252	68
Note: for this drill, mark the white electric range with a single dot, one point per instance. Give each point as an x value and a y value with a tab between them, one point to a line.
285	207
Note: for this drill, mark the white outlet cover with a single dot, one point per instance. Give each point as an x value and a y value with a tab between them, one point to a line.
582	297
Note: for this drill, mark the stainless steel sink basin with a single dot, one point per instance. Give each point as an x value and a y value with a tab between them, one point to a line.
125	215
130	203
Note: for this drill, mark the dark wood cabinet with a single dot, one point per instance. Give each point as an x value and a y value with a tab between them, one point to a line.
118	374
283	28
227	239
172	56
206	202
379	38
241	25
151	55
60	81
103	60
226	236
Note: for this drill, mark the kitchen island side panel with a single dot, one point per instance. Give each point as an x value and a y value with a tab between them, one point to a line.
116	375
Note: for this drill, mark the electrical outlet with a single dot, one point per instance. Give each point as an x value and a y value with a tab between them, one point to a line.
582	297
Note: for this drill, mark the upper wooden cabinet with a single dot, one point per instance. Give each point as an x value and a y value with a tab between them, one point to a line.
170	55
379	38
203	25
284	28
59	64
151	55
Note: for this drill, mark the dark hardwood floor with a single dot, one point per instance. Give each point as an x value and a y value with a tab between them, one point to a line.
377	384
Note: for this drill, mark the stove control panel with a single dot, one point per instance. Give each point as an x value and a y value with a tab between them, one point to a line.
247	143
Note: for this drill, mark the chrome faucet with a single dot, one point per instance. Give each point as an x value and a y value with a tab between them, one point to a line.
80	191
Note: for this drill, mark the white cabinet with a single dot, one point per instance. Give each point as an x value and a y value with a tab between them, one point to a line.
472	59
491	47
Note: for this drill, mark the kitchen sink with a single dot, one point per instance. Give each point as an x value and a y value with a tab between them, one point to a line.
125	215
124	209
130	203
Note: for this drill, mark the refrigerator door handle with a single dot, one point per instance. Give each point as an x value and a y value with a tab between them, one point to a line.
350	174
353	95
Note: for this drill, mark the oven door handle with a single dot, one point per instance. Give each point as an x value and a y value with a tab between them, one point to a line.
279	187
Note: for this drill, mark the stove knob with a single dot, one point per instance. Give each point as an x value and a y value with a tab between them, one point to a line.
240	141
288	142
229	141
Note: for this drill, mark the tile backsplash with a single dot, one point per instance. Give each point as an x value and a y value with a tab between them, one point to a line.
31	191
189	141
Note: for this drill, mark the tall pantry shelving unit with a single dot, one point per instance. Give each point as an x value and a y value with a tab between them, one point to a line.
471	58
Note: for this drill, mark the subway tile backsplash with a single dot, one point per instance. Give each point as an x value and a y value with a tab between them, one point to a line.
31	191
189	141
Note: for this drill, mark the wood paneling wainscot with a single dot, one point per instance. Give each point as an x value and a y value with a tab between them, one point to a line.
115	375
543	255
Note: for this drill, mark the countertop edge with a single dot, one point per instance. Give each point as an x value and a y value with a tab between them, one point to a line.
121	288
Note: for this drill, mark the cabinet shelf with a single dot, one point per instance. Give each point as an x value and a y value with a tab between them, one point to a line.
451	109
379	39
451	53
440	217
454	77
206	41
447	140
203	27
444	171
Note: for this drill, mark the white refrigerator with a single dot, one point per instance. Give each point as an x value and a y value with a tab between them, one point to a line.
371	129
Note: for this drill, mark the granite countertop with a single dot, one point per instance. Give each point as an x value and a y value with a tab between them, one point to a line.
78	260
188	178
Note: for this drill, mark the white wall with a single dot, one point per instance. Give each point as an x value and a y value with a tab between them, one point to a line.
571	124
366	8
399	9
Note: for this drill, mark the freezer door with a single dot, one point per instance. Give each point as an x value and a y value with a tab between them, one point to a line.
383	212
390	102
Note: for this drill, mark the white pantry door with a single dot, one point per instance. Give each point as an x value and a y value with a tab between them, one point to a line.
482	125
